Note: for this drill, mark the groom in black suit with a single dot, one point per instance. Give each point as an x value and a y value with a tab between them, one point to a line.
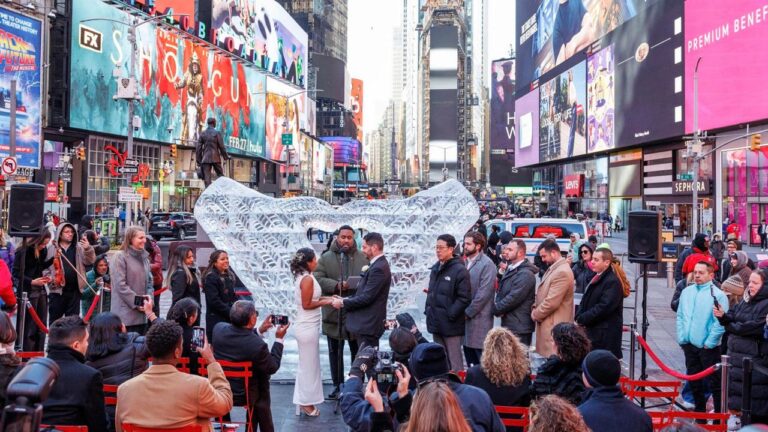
367	309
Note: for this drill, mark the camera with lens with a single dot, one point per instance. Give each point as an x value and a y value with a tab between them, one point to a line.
25	394
384	371
106	279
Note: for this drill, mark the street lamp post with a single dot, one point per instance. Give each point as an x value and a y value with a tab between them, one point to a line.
694	151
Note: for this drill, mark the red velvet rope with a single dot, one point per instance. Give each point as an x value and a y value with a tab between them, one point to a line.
36	318
697	376
160	291
95	301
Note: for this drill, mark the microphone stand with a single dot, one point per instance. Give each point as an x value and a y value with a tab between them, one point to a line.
343	276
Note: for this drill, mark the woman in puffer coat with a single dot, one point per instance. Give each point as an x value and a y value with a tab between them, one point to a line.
745	323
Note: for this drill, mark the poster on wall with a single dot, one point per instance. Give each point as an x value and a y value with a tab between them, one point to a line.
262	32
527	121
562	117
20	50
181	84
730	40
503	104
549	32
318	161
601	104
285	114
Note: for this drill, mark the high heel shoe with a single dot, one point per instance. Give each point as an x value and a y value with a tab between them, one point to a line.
304	411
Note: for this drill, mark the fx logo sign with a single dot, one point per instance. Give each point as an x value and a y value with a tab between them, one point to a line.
90	38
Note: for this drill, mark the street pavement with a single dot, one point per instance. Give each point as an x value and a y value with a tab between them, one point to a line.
661	337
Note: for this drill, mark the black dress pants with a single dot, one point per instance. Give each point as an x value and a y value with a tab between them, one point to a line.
64	304
697	360
336	358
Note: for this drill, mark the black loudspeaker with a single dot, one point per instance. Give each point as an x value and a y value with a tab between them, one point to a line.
644	237
26	209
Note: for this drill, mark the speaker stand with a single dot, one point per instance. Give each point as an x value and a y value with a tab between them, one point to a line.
21	308
645	325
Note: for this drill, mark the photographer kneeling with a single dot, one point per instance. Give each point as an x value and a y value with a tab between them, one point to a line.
429	363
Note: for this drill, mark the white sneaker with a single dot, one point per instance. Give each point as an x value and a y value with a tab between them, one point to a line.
682	402
734	423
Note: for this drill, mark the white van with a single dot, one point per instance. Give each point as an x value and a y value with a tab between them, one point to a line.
534	231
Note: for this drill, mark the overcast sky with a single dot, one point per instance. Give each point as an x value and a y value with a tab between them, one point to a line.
369	47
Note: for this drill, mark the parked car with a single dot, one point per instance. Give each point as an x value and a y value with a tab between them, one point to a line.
175	224
534	231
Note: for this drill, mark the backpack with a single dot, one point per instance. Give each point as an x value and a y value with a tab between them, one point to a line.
619	272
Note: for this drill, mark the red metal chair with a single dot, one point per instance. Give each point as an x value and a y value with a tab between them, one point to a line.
127	427
241	370
635	389
110	395
64	428
514	416
25	356
659	419
182	365
462	374
693	415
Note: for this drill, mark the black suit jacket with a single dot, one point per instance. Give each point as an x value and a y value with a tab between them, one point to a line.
367	309
240	344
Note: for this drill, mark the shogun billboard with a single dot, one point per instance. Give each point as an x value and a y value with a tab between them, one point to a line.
181	84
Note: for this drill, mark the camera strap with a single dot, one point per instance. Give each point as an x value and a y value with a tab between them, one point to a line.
80	275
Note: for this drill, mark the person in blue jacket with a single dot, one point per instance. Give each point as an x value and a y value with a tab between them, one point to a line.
699	333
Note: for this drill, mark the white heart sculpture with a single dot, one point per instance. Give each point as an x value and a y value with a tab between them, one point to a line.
261	234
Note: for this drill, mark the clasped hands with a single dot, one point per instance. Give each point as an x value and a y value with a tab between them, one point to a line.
337	302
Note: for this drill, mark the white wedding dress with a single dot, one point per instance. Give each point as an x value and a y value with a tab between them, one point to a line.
308	389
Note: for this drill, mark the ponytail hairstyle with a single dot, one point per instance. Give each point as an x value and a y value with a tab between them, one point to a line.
300	261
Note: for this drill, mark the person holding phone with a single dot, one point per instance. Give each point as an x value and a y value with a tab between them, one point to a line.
131	280
240	340
186	313
34	284
97	277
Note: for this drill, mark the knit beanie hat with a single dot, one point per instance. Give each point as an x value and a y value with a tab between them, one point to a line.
601	368
733	285
428	360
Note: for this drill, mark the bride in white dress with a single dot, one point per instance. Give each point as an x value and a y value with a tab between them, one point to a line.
308	390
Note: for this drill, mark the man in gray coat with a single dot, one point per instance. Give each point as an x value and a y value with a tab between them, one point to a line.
210	151
342	261
517	292
479	313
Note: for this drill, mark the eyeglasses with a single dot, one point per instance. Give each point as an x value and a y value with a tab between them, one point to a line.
441	247
426	381
584	252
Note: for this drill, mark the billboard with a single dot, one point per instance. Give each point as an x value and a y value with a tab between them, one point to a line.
285	114
503	104
20	51
527	137
443	106
346	151
730	41
356	105
648	53
562	117
318	161
262	32
180	83
551	31
601	104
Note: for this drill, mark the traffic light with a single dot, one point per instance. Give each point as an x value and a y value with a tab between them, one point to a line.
81	153
61	187
754	142
173	151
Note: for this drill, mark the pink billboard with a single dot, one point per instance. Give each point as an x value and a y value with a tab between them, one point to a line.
730	40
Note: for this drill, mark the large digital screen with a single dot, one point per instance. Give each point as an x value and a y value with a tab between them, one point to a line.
562	116
443	104
346	151
20	42
551	31
730	40
285	114
262	32
601	105
648	54
356	105
180	83
503	104
527	137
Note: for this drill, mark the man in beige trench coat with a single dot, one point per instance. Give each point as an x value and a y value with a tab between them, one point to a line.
554	297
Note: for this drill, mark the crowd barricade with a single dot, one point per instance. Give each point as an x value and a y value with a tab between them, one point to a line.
127	427
25	356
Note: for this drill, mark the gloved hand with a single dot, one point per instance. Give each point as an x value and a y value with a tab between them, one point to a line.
364	362
406	321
